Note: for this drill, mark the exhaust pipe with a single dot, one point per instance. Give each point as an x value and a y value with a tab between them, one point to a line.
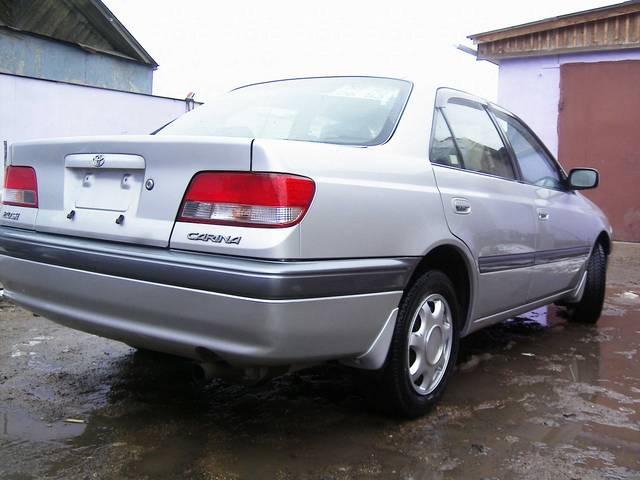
212	366
204	373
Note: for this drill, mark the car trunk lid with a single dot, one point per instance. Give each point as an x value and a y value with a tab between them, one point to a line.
122	188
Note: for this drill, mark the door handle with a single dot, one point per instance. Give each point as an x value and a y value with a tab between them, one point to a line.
542	215
461	206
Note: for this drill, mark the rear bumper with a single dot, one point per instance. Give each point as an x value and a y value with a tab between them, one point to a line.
248	312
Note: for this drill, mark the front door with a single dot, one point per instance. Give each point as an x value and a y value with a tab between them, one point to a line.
562	216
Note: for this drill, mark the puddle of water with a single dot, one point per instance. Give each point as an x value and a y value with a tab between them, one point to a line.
538	316
19	426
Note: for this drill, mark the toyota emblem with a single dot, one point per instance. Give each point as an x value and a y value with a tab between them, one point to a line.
98	161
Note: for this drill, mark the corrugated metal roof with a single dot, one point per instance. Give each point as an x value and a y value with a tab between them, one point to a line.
86	23
607	28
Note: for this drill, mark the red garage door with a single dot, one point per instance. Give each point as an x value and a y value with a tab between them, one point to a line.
599	126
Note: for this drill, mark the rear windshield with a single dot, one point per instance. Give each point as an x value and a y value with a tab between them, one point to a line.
340	110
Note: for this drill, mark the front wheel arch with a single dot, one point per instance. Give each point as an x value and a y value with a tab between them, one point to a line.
604	240
589	307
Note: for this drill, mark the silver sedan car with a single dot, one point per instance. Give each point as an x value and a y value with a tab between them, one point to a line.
370	221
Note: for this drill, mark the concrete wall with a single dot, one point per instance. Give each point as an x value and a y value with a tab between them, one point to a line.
38	57
32	108
530	88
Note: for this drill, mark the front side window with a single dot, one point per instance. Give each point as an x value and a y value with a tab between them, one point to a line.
341	110
478	139
535	164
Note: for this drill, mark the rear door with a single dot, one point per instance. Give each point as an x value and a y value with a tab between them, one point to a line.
485	205
562	216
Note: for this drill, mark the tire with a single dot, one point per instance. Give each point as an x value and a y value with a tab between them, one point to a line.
589	308
398	392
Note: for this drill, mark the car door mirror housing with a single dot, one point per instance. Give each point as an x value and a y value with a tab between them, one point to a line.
583	178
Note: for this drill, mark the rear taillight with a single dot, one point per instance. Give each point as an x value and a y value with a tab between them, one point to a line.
20	187
247	199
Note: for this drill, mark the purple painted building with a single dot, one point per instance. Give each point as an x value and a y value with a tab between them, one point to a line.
575	79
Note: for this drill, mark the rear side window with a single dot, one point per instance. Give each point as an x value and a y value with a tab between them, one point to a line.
535	164
443	147
476	138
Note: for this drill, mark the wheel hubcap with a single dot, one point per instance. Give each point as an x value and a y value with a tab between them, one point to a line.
434	346
429	346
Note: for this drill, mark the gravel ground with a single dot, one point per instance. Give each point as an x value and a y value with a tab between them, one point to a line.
533	398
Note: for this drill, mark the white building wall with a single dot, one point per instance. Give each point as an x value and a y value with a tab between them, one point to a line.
32	108
530	88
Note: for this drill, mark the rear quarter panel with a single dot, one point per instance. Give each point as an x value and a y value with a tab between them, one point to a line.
369	202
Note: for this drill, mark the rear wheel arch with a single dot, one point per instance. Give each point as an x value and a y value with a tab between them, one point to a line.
453	262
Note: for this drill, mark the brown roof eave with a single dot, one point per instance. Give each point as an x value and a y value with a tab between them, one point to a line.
576	18
546	53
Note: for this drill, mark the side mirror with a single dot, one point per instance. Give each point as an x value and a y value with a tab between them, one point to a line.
583	178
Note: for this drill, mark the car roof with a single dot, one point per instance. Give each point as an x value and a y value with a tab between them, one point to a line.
425	84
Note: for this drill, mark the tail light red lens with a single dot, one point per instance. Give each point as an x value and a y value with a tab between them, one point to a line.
266	200
20	187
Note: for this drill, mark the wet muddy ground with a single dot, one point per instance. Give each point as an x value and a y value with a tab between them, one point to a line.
534	398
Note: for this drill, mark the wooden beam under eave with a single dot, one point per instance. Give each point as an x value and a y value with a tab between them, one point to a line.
497	57
558	22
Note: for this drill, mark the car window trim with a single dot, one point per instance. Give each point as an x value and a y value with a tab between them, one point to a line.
482	107
443	94
552	160
476	172
400	113
437	110
510	151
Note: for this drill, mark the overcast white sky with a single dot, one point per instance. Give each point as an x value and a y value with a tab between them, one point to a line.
210	46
